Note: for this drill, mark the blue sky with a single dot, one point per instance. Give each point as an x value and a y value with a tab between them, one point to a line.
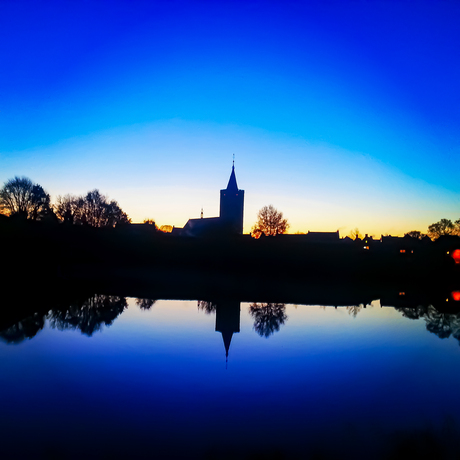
340	114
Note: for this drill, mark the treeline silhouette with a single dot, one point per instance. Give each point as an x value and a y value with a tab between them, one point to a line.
21	198
88	316
90	244
93	314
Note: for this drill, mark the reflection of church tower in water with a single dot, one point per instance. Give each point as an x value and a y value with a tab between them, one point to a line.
227	321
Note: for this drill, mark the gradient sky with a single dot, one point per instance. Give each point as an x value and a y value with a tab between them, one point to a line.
340	114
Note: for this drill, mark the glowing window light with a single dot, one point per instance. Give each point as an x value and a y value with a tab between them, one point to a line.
456	256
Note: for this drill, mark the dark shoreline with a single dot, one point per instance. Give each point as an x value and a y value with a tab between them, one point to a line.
54	264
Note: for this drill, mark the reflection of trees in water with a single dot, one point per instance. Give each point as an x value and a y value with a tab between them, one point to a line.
413	313
24	329
268	317
145	304
353	310
90	316
207	307
443	325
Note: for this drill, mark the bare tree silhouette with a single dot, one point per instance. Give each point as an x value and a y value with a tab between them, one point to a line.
268	317
94	210
415	234
89	317
443	227
355	234
24	329
270	222
353	310
20	196
207	307
442	324
145	304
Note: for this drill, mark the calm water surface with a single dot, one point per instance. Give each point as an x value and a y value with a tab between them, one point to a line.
298	381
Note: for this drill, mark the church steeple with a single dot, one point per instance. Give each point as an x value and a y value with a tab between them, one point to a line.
227	336
227	321
232	186
231	205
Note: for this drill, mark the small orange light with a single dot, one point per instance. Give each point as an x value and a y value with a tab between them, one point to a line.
402	293
402	251
456	296
456	256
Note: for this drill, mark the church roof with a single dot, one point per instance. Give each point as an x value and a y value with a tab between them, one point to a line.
232	186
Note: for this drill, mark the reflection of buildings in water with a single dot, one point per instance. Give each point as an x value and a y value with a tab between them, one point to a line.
227	321
227	318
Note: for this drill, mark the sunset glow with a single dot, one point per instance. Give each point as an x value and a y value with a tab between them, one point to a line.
340	115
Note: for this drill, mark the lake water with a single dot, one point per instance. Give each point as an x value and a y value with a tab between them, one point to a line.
299	382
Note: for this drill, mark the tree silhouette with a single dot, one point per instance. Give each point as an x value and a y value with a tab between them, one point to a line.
166	228
270	222
355	234
268	317
443	227
415	234
94	210
412	313
353	310
24	329
145	304
20	196
207	307
150	222
90	316
69	208
442	324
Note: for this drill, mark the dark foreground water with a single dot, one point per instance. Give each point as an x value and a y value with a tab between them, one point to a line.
299	382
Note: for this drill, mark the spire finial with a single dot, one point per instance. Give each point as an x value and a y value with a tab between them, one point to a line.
233	160
202	213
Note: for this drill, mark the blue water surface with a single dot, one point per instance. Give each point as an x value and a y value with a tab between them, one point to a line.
156	383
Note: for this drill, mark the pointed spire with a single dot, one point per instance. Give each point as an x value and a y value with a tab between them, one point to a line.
227	336
232	185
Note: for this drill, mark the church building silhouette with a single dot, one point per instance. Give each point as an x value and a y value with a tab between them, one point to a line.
230	220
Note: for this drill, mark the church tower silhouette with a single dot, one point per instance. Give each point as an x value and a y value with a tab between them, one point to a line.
232	205
230	220
227	321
